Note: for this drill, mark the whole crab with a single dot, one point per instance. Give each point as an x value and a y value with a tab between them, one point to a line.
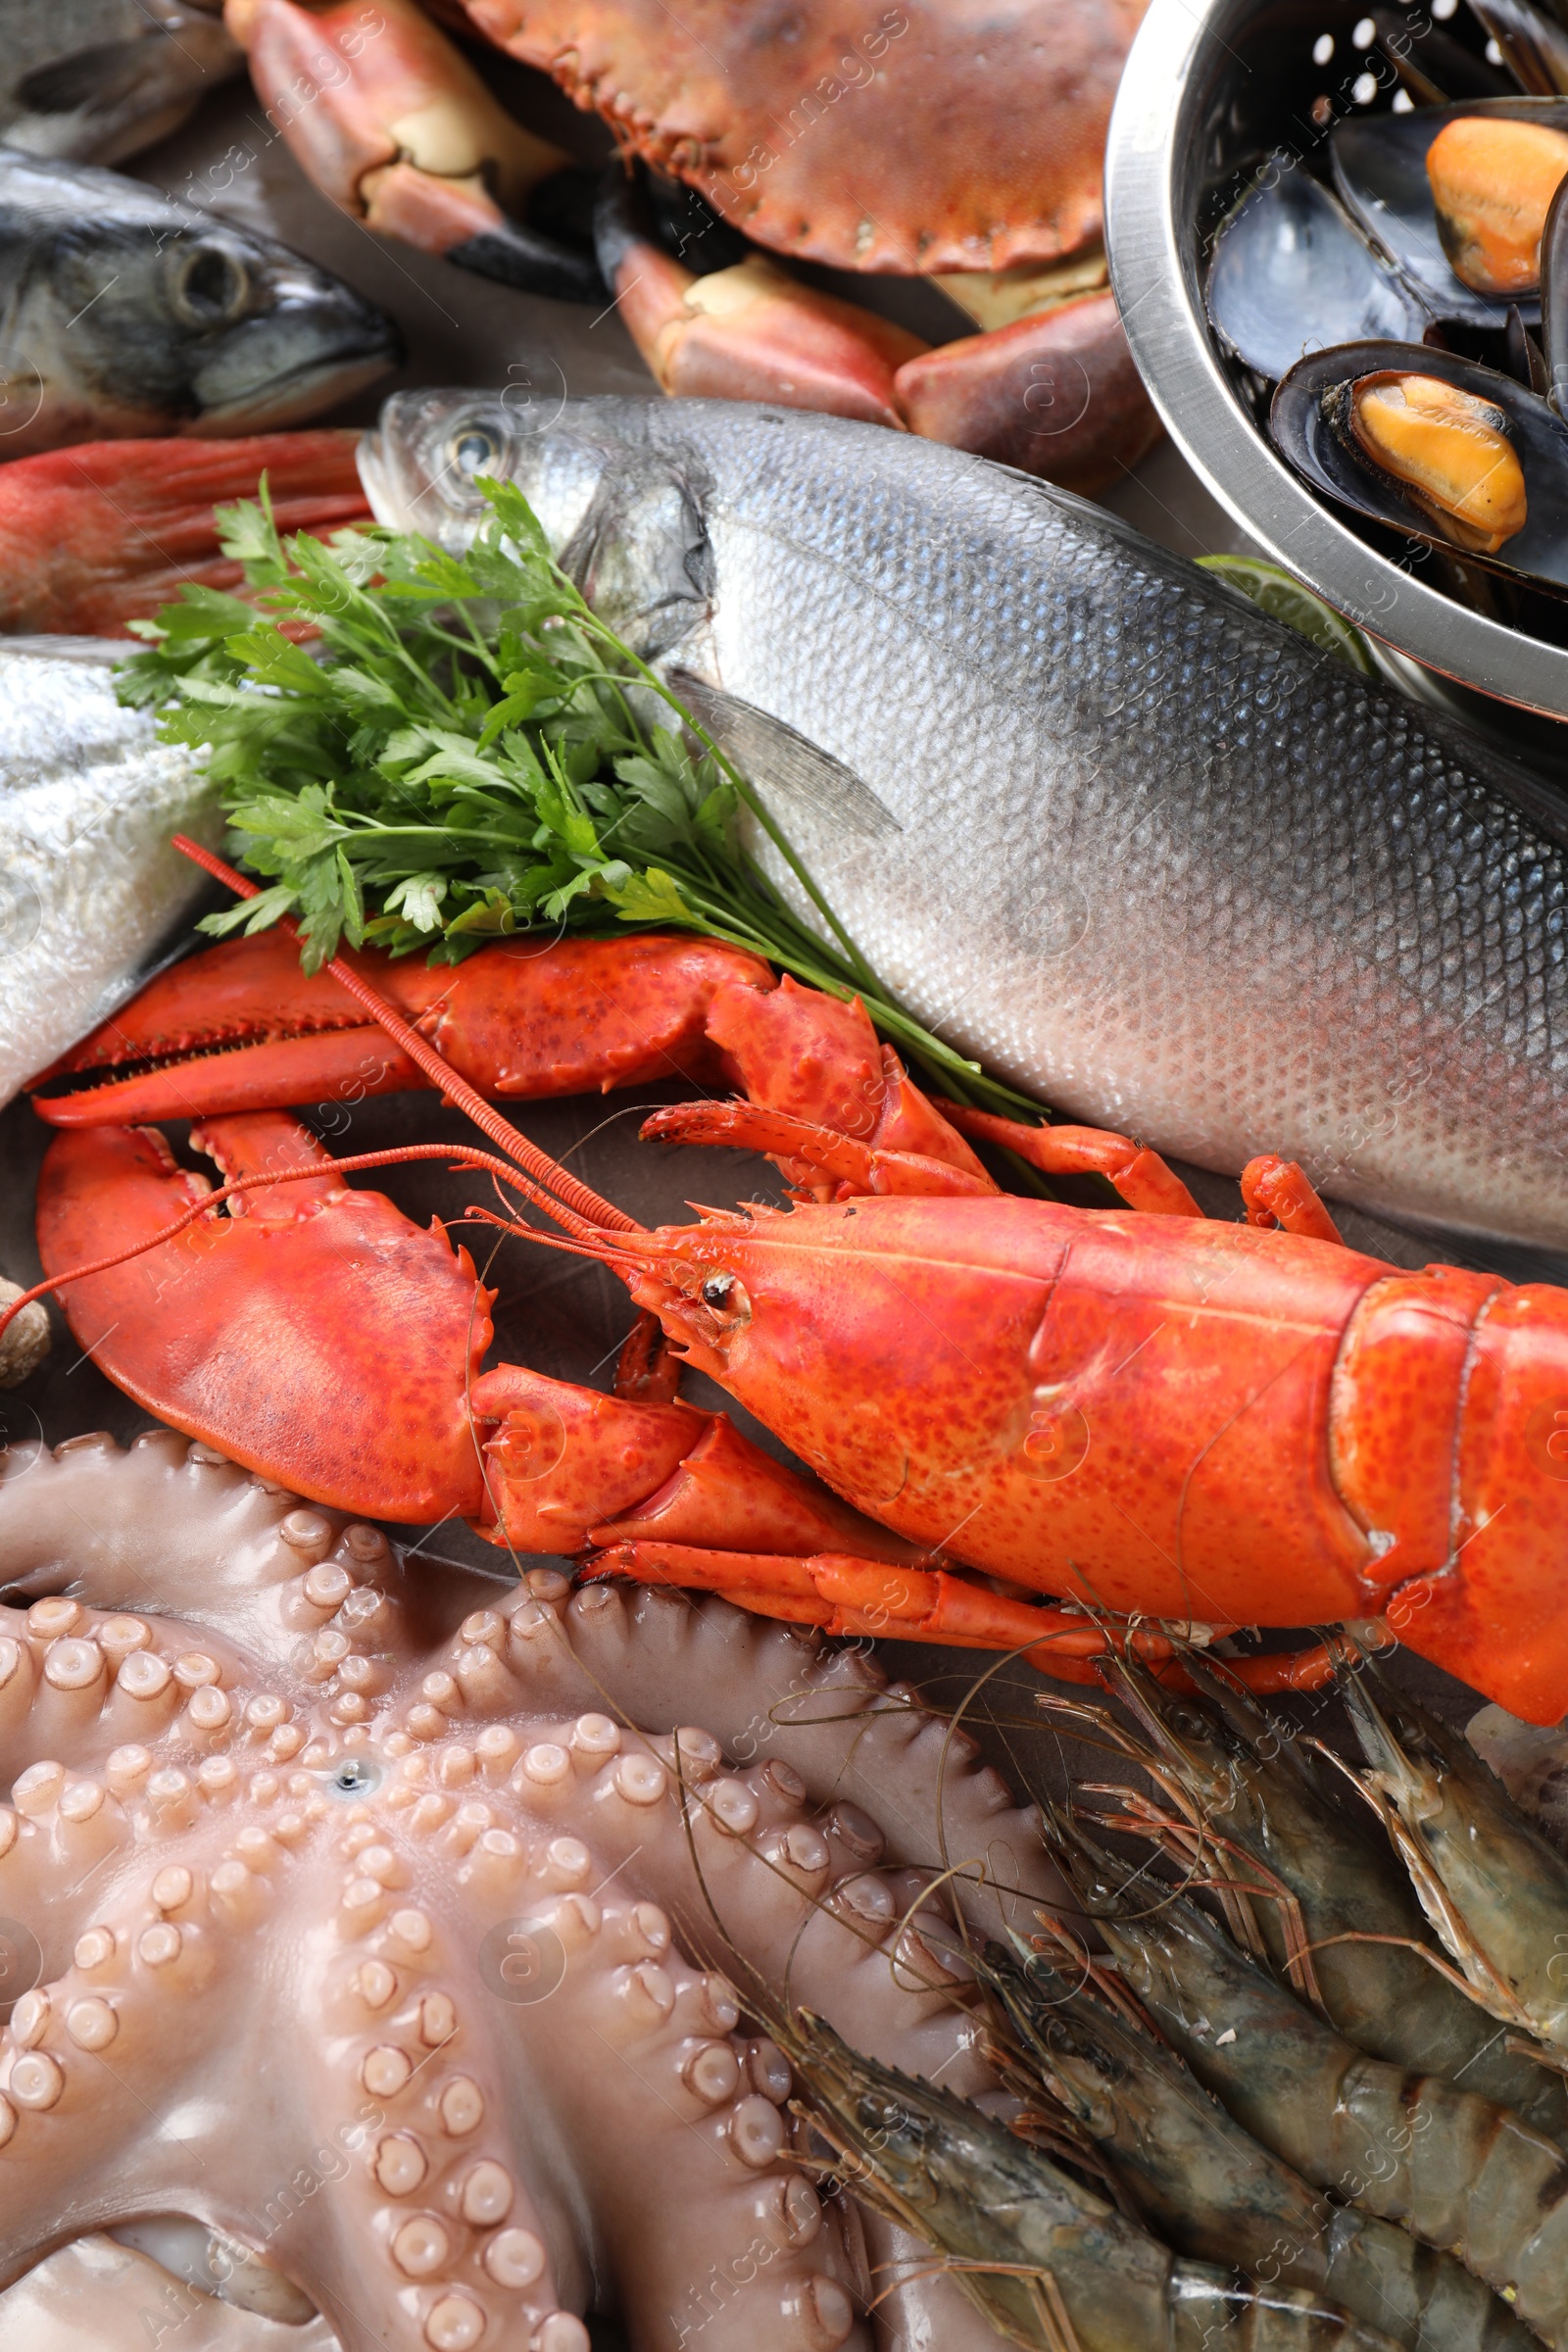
959	140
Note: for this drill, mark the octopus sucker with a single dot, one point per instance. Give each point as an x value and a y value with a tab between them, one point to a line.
401	1947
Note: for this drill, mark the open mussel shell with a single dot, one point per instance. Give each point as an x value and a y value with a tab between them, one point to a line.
1290	273
1533	45
1380	169
1482	473
1555	306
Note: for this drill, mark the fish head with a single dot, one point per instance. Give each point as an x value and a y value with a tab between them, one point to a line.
98	80
270	338
142	316
623	507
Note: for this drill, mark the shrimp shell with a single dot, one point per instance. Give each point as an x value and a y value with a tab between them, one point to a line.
1456	2169
1203	2182
1051	2265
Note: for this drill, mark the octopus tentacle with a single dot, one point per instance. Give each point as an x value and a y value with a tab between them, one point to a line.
278	1842
856	1744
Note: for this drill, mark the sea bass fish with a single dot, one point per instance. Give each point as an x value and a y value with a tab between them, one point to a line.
124	314
1117	834
97	80
90	889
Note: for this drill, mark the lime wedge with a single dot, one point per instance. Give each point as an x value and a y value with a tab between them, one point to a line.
1271	587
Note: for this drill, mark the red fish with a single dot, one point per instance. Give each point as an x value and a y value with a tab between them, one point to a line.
106	533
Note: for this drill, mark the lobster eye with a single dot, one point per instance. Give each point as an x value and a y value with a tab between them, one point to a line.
725	1296
472	450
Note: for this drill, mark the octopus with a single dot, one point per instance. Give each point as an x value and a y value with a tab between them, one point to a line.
383	1970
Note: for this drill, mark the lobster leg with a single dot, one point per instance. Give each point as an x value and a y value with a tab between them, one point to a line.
844	1595
391	122
1279	1195
1139	1176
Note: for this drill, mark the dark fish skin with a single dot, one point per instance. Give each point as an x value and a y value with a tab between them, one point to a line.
95	80
1156	858
124	314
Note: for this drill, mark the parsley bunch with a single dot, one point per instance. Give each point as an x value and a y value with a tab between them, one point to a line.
471	751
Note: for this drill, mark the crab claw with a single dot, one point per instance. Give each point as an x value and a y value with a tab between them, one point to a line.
747	332
224	1330
390	121
1056	394
243	1028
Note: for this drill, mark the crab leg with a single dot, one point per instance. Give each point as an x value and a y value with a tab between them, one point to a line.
748	332
1056	394
391	122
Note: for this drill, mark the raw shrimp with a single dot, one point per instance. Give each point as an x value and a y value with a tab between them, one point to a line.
1455	2170
1319	1884
1493	1889
1049	2263
1206	2185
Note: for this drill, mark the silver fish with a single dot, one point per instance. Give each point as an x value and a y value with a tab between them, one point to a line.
1136	845
123	312
90	889
93	80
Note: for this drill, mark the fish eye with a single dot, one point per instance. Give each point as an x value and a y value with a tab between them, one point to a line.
211	284
354	1777
473	450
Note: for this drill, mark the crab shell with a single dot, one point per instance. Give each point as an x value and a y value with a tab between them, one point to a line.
936	135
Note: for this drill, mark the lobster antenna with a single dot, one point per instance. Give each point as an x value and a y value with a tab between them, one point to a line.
577	1196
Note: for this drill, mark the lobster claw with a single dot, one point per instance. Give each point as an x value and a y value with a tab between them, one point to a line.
225	1330
242	1027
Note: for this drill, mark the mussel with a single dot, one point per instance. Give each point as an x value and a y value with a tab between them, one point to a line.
1456	197
1450	449
1492	181
1436	447
1290	273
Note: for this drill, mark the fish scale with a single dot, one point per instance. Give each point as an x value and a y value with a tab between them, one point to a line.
89	885
1157	858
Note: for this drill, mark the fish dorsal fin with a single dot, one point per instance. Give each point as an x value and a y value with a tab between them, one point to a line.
782	760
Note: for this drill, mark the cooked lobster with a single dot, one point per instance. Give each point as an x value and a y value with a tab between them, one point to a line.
1137	1410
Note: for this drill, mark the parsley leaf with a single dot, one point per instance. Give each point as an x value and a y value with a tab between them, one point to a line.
427	752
